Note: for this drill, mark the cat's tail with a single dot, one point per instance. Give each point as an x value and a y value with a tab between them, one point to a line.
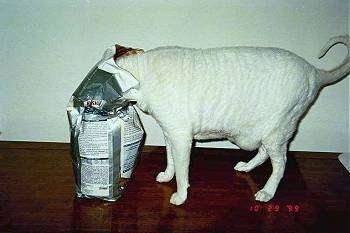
336	74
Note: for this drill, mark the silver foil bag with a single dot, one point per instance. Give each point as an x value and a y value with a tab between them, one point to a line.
106	135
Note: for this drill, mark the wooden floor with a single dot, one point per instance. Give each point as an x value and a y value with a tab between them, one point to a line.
36	195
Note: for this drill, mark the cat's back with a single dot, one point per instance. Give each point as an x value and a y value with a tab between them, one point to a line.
241	51
219	58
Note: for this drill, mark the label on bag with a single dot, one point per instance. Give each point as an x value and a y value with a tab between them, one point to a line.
132	136
98	150
93	147
93	139
95	177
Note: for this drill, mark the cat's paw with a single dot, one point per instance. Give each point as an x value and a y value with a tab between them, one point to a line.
164	177
263	196
242	167
177	199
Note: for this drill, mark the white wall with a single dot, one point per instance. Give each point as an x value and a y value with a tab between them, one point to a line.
47	47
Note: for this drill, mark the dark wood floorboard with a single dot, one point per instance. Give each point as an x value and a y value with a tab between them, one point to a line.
36	195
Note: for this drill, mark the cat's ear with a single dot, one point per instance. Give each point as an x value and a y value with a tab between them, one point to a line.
121	51
118	51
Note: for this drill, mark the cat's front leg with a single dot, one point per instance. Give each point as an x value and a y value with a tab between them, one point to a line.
169	172
180	143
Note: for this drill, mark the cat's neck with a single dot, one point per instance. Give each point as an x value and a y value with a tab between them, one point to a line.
132	64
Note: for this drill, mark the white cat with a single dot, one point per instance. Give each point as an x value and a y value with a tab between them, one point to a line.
252	96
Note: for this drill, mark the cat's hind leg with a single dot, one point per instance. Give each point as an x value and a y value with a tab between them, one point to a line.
277	153
259	159
169	172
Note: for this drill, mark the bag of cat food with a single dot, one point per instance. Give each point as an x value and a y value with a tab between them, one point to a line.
106	132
